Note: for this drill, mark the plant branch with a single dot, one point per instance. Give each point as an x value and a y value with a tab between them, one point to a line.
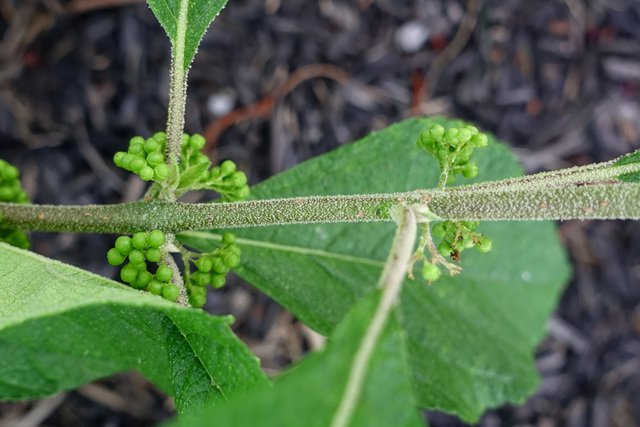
391	280
604	201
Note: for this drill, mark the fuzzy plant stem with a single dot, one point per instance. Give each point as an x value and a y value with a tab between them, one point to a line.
621	201
393	275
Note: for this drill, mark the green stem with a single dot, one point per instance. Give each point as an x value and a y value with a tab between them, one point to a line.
605	201
391	280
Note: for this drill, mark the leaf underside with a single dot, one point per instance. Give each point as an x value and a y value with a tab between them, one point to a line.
470	338
61	327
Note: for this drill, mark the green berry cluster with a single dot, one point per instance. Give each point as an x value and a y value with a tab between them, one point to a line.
230	183
139	249
453	149
145	157
11	192
458	236
212	269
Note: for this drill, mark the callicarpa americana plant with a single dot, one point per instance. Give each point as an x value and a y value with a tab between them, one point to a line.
432	295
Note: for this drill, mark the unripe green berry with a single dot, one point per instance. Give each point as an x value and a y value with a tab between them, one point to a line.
217	281
164	273
228	238
10	172
430	272
470	170
141	266
243	193
204	264
170	292
200	278
464	135
137	164
438	230
219	266
153	254
140	241
485	244
142	280
162	171
234	249
227	168
197	300
125	163
437	132
452	136
471	225
115	257
215	173
124	245
136	140
444	248
155	287
467	241
6	193
232	260
480	140
157	238
185	140
197	142
128	273
161	137
151	145
238	179
117	158
136	149
136	256
155	158
146	173
472	130
426	141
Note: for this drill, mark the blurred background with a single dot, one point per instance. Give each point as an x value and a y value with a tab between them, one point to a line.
277	82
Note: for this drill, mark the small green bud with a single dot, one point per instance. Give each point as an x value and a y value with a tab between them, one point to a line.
215	173
232	260
472	130
200	278
464	135
238	179
117	158
437	132
136	149
439	231
227	168
153	254
426	141
155	287
157	238
146	173
452	136
136	140
219	266
197	300
139	240
228	238
430	272
217	281
485	244
467	241
162	171
125	163
444	248
471	225
242	193
164	273
155	158
185	140
10	172
128	273
136	256
114	257
142	280
197	142
137	164
204	264
124	245
451	178
161	137
470	170
151	145
480	140
170	292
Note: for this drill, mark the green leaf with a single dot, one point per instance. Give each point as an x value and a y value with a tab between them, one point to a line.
470	338
628	159
185	22
311	392
61	327
193	174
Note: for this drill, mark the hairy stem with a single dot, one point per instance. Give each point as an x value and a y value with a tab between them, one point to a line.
391	280
605	201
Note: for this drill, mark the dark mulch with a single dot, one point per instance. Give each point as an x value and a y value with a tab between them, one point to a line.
559	80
